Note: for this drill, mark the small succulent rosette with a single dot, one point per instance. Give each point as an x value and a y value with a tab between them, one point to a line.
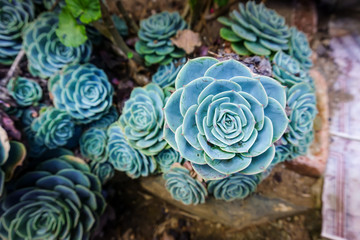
103	170
14	16
126	159
183	187
166	158
154	38
45	53
26	92
282	153
299	48
106	120
83	91
60	199
166	74
142	119
93	144
302	148
224	119
255	30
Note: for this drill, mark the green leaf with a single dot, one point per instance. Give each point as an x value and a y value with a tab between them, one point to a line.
69	32
221	3
87	10
130	55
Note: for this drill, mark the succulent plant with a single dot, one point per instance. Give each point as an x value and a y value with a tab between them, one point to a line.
104	170
45	53
61	199
14	15
236	186
154	38
142	119
126	159
183	187
299	48
282	153
302	147
224	119
53	128
166	158
255	30
83	91
120	25
288	71
166	74
93	144
26	92
107	119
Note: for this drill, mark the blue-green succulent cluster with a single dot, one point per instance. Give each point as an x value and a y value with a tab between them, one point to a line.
299	48
83	91
183	187
103	170
45	53
142	119
93	144
154	38
224	119
107	119
166	74
126	159
14	16
61	199
166	158
26	92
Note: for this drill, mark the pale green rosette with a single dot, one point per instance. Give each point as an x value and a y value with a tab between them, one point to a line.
166	74
26	92
166	158
300	48
93	144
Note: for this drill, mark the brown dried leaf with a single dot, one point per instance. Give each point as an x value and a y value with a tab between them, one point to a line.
187	40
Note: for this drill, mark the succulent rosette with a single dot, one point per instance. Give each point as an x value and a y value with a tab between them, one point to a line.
302	147
255	30
53	128
93	144
104	170
126	159
26	92
154	38
183	187
45	53
107	119
14	15
166	74
166	158
61	199
224	119
83	91
236	186
142	119
282	153
300	48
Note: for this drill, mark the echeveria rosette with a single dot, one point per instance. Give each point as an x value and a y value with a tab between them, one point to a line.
142	119
83	91
183	187
299	48
61	199
126	159
154	38
166	158
236	186
14	15
53	128
166	74
104	170
45	53
255	30
282	153
224	119
93	144
302	147
26	92
107	119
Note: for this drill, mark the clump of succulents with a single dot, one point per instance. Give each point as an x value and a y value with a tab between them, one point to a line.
255	30
61	199
83	91
224	119
126	159
107	119
14	15
166	158
236	186
154	38
142	119
299	48
93	144
103	170
45	53
166	74
26	92
183	187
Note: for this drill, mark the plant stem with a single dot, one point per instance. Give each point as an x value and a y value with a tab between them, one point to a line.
130	21
220	11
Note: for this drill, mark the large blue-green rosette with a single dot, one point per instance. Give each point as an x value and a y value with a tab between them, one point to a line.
45	53
300	48
236	186
26	92
183	187
154	38
166	158
83	91
126	159
166	74
142	119
14	15
93	144
224	119
60	199
255	30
